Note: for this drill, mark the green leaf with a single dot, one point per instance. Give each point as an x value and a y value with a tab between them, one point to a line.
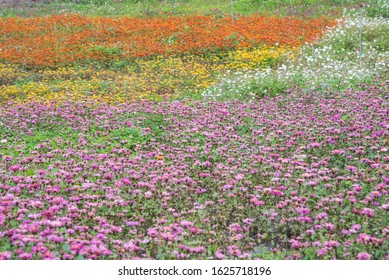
66	247
6	246
29	172
160	256
103	209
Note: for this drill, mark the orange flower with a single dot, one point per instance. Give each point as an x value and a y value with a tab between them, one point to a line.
64	39
159	157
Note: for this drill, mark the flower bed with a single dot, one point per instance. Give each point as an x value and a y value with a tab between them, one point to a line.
302	176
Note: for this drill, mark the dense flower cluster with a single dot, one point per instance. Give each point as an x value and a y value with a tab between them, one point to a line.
333	60
153	79
62	39
301	176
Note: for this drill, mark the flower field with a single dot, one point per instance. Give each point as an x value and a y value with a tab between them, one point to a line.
194	137
55	59
58	40
301	176
153	79
332	61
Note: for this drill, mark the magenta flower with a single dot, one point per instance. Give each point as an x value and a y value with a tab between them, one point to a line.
321	252
194	230
363	256
219	255
15	168
67	256
34	228
364	238
148	194
295	244
126	181
6	255
25	256
185	223
152	232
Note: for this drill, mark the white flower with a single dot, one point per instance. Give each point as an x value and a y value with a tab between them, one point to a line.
3	141
323	64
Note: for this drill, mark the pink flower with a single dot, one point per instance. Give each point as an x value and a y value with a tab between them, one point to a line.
131	246
331	243
193	230
321	252
67	256
336	117
186	223
245	256
15	168
235	227
152	232
101	236
234	250
248	221
303	211
148	194
295	244
198	250
34	228
357	188
364	238
321	216
363	256
238	236
76	247
310	231
355	228
126	181
132	223
25	256
317	244
219	255
329	226
257	202
367	212
6	255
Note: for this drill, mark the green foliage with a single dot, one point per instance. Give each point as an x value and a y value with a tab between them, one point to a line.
156	123
219	8
269	87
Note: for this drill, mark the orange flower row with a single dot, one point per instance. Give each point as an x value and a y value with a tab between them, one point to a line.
63	39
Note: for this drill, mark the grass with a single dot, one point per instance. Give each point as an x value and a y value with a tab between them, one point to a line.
147	8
